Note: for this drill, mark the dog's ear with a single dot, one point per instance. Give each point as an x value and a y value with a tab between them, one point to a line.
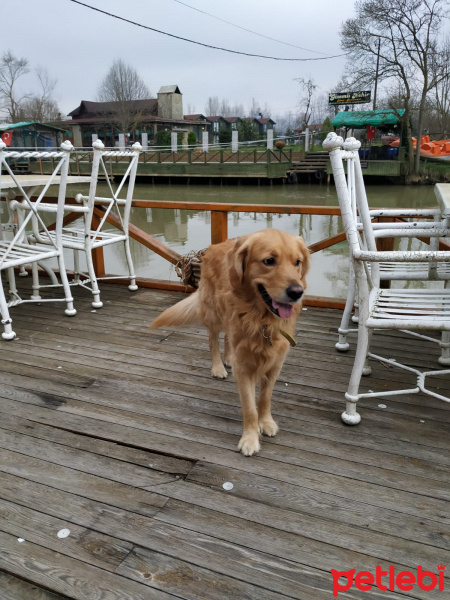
238	261
305	257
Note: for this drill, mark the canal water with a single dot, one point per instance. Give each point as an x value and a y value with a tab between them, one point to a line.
187	230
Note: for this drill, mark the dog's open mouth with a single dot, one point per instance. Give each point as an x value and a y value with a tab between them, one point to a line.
284	311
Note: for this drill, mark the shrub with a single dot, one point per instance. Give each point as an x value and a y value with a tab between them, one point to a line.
224	136
164	138
191	139
280	145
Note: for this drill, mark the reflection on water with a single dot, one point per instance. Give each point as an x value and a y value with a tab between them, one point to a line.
186	230
190	230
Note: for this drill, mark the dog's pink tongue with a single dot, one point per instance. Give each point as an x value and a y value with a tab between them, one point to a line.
284	310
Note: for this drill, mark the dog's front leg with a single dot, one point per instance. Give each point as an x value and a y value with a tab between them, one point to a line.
249	442
217	369
227	354
266	423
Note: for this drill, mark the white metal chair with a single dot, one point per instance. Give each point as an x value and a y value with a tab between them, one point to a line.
410	220
17	252
406	310
88	237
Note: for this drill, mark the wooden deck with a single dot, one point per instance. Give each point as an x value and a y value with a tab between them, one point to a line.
120	435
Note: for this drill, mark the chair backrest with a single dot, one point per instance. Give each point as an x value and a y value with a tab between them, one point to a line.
349	189
112	202
355	220
60	171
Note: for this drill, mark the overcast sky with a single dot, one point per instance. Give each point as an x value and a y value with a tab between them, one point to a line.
77	46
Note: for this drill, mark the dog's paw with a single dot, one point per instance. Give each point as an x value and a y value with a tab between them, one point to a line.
267	426
227	363
249	444
219	372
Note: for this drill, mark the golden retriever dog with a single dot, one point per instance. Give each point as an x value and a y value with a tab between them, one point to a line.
251	289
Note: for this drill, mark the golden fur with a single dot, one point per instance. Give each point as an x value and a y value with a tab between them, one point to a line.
230	299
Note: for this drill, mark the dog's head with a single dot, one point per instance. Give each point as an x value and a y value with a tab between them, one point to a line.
270	266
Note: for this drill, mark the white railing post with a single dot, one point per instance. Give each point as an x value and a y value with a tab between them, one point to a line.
121	141
205	141
144	138
234	141
174	141
270	139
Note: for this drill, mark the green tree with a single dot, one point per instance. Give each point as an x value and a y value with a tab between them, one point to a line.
224	136
326	126
191	139
247	131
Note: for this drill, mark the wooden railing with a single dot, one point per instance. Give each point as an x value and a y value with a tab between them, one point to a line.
219	233
80	161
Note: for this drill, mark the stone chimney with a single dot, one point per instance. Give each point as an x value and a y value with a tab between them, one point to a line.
170	102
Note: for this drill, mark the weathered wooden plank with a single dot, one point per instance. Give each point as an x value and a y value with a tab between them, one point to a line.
395	375
224	557
223	433
266	538
309	377
297	498
408	457
68	576
316	530
241	562
13	588
310	360
112	469
100	423
413	459
157	462
187	581
290	472
86	545
86	485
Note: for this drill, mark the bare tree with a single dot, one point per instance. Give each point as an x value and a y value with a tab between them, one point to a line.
11	69
123	85
306	100
190	110
212	106
404	34
41	107
256	109
441	102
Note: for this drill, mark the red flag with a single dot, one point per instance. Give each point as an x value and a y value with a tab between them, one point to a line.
7	137
371	132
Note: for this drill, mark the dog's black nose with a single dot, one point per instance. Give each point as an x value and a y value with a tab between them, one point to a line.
294	292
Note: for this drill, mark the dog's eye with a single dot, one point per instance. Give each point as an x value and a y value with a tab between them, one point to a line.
298	262
269	262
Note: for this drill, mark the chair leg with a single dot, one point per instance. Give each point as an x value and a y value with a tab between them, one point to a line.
70	310
350	416
444	359
12	284
342	345
8	333
97	303
132	287
35	284
76	266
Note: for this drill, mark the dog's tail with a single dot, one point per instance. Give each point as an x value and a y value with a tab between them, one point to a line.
185	312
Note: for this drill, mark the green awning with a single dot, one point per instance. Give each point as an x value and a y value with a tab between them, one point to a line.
359	119
7	126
